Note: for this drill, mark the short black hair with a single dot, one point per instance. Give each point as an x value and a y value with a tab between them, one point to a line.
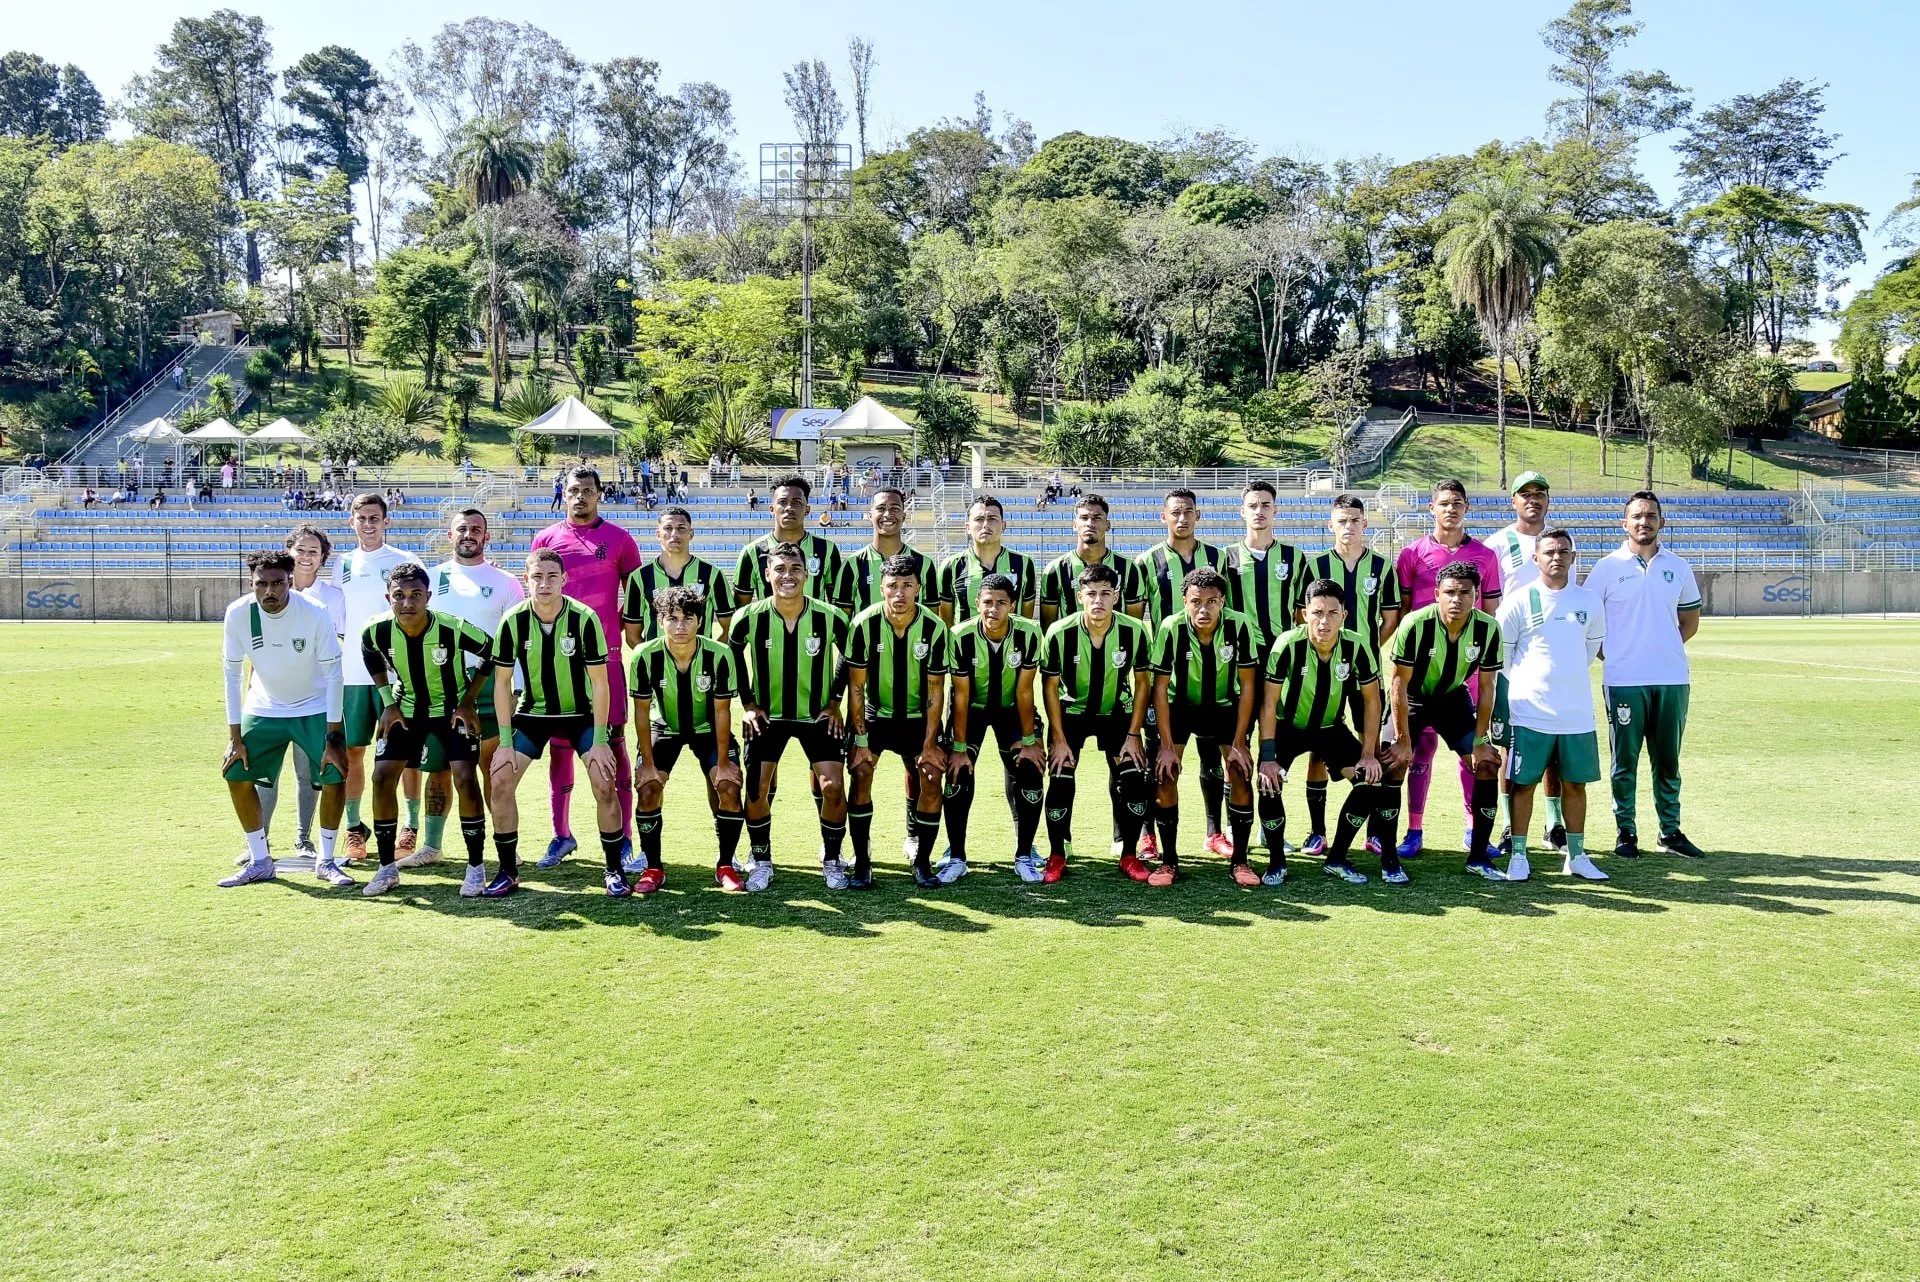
900	565
793	481
544	555
1557	532
581	472
270	559
1260	487
1181	492
1326	587
474	511
1206	579
1090	499
374	497
990	501
999	583
1647	495
678	511
1450	485
408	572
1466	571
889	489
299	532
691	602
787	552
1349	503
1101	573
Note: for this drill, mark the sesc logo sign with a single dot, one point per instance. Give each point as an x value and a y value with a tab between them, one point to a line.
1795	589
64	595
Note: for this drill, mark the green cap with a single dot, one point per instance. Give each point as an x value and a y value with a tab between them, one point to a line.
1525	479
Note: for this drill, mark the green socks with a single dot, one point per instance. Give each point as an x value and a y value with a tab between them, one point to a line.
1555	816
1576	844
435	830
413	813
352	820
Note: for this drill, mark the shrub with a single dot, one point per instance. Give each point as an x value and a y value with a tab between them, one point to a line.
408	402
363	434
528	399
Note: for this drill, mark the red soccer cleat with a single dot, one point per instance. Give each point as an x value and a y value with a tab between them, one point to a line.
649	881
1148	847
1164	875
408	840
1220	844
1244	875
1134	867
730	879
1056	869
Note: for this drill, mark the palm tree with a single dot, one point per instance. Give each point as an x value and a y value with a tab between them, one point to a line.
492	165
1499	242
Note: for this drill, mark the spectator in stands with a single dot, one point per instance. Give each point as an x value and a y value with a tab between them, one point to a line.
88	497
206	490
558	487
291	499
226	475
166	476
118	497
753	499
159	498
353	471
713	469
826	518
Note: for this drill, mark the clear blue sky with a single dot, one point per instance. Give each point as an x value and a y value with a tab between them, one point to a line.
1396	77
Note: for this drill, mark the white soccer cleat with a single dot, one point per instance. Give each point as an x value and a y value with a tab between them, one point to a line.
305	849
908	848
420	857
1582	866
761	876
251	871
950	870
332	873
382	881
833	871
1518	869
1026	869
474	882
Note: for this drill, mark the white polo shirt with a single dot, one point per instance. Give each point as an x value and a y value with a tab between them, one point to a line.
1515	551
294	657
362	579
1551	639
1643	600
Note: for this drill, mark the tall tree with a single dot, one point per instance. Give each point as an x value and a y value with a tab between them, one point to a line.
860	70
661	150
1285	249
486	69
492	164
418	308
333	92
815	103
1778	255
210	86
1498	245
1606	105
39	100
1771	140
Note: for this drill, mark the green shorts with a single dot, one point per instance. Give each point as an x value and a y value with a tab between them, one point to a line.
266	740
1575	756
362	716
1500	729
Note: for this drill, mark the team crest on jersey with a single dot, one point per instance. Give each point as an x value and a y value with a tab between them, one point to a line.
920	650
299	645
600	553
1281	569
486	591
813	567
1580	617
1473	652
1623	713
439	654
813	646
567	646
1667	575
1226	653
1341	671
704	682
1119	658
1013	657
1372	582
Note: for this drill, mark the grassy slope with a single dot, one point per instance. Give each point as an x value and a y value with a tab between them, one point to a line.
1699	1070
1569	460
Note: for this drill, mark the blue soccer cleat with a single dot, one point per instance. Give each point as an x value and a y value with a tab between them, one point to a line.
557	849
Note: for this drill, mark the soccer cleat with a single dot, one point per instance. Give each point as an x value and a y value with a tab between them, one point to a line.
1164	875
353	846
242	859
926	879
1345	872
728	878
1505	845
858	880
332	873
1147	848
1055	869
420	857
1518	869
557	849
1135	867
474	884
651	879
1274	876
908	848
835	874
1316	844
1676	843
1627	846
1581	866
503	884
1395	876
1026	869
304	848
630	864
1557	837
760	876
950	870
1374	847
407	841
253	870
1481	866
383	880
1411	844
617	887
1244	875
1220	844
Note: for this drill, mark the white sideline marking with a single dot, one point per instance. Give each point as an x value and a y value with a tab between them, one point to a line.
1809	663
107	663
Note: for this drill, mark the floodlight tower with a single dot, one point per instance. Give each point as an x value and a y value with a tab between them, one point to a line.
806	180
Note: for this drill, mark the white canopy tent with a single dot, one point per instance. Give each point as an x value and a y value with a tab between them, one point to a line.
281	432
156	431
218	430
571	417
866	417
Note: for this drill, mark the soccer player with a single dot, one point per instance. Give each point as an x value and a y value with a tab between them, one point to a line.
898	657
1551	630
1095	670
1653	610
820	555
1060	581
683	686
675	567
469	587
310	547
416	657
361	576
964	572
557	648
599	557
1264	581
789	652
1204	660
1514	546
1418	570
996	651
293	697
1370	590
1317	674
1436	651
860	573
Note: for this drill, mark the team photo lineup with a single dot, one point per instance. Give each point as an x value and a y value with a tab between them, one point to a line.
406	691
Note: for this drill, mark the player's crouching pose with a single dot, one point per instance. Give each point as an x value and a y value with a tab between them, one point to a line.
1314	672
293	698
995	654
561	653
683	686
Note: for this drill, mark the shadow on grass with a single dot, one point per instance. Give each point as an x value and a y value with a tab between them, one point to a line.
1095	894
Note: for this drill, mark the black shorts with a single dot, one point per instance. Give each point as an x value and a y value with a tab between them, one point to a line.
704	747
406	742
1451	716
905	737
532	734
1335	746
814	739
1213	727
1109	732
1005	725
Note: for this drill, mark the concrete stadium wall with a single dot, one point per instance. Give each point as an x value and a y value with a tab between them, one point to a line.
185	598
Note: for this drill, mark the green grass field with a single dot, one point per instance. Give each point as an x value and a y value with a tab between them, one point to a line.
1706	1071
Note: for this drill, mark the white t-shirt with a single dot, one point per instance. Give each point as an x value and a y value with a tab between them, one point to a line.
480	594
1551	639
1515	551
295	657
330	599
1643	601
362	577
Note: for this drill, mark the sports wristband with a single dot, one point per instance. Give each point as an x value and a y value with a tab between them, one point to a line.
1268	751
1031	741
860	740
336	739
959	747
1482	741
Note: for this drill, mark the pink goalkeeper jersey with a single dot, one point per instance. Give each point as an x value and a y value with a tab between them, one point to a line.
1422	560
598	557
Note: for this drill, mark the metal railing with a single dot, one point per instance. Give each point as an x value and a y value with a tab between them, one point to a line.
106	424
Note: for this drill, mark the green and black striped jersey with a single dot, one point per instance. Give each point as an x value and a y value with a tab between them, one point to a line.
993	668
960	581
1060	581
1265	587
703	576
1313	687
1096	677
791	672
823	567
1204	674
1160	571
426	675
898	664
1441	663
680	700
553	658
860	579
1369	587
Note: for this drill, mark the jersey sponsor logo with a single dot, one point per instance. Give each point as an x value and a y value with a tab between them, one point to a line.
813	646
567	646
439	654
299	645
